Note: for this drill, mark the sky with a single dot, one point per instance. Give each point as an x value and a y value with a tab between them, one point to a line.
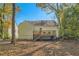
30	12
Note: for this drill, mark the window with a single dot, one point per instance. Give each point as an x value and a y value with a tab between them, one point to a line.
49	32
40	30
44	32
54	32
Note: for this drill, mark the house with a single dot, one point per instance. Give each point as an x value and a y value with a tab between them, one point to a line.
10	32
7	30
35	29
25	30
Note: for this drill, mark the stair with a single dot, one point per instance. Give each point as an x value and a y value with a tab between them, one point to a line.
37	37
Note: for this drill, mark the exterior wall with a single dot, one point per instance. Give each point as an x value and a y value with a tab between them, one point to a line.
10	32
25	31
47	30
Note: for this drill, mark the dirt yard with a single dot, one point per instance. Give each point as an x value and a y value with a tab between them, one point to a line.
40	48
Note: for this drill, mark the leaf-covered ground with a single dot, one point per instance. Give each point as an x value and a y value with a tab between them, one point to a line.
40	48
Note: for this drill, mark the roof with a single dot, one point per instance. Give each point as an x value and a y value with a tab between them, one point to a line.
44	23
48	23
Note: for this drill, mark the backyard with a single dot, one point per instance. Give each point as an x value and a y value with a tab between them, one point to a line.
40	48
38	21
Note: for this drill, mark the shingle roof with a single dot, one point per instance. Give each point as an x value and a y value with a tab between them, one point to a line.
42	23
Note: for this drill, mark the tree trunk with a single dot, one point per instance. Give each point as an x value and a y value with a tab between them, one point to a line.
13	24
3	16
1	26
